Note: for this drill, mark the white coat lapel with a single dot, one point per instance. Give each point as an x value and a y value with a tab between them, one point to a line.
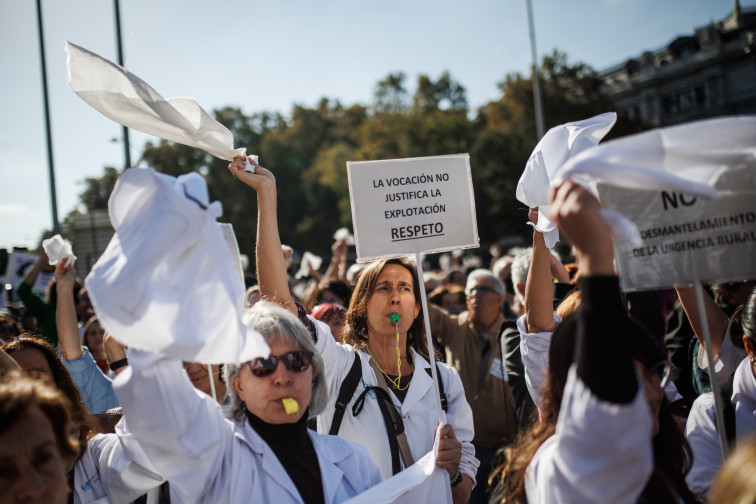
419	385
330	454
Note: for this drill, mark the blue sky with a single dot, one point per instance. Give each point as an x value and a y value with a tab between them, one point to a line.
273	54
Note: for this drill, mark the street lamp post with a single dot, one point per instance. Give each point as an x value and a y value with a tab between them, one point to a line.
536	76
126	146
53	197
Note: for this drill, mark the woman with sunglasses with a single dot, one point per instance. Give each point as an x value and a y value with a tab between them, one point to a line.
606	432
262	451
385	328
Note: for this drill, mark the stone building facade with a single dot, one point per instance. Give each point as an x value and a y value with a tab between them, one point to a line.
710	73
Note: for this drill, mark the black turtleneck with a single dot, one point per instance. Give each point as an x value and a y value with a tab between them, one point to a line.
293	447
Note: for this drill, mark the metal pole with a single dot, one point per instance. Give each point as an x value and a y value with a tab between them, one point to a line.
536	74
126	146
51	168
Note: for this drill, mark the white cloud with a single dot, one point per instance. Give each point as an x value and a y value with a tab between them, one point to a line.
13	209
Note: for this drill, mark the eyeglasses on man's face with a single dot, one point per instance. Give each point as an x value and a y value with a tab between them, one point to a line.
479	290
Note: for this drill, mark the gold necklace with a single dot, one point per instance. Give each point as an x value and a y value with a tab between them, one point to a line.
394	381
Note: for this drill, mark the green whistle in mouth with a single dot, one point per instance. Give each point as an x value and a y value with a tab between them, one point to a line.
394	318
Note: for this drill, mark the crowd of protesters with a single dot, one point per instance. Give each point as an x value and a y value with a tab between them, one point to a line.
557	386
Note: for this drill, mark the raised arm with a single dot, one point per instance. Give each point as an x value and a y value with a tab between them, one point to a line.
31	275
65	313
603	347
271	267
539	289
717	319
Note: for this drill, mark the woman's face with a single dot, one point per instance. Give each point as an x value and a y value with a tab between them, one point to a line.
328	296
34	363
94	337
31	468
263	395
393	294
653	391
200	378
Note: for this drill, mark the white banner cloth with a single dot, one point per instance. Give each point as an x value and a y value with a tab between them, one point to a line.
57	249
687	158
131	102
423	481
166	282
558	145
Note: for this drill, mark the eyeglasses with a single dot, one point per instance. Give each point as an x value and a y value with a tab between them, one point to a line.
297	361
479	290
658	373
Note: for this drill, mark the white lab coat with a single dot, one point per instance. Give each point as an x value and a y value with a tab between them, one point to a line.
207	458
600	453
701	427
113	470
418	410
534	348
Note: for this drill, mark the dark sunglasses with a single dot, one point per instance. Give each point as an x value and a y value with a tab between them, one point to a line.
297	361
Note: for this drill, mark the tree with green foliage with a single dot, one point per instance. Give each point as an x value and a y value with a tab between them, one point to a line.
308	150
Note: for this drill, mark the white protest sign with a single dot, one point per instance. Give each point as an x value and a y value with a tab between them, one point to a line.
407	206
18	264
687	238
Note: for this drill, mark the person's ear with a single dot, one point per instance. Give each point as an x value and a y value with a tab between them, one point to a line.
236	383
750	347
520	288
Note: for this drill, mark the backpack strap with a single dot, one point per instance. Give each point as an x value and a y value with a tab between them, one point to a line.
346	391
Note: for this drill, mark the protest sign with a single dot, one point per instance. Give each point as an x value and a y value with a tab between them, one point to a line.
18	264
685	238
406	206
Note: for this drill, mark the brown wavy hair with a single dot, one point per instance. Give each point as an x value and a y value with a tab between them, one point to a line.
83	421
19	392
355	324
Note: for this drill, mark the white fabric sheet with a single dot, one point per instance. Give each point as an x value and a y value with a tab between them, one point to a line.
166	281
423	481
57	248
128	100
558	145
687	158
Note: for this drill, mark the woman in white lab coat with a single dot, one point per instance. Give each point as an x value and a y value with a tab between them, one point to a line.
606	434
264	453
386	290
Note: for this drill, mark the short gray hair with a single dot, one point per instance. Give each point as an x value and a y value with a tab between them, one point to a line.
272	321
520	268
481	273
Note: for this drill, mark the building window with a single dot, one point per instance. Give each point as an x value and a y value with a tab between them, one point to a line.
701	95
669	104
686	99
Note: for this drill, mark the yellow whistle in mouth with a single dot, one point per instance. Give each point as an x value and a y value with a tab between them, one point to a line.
290	405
